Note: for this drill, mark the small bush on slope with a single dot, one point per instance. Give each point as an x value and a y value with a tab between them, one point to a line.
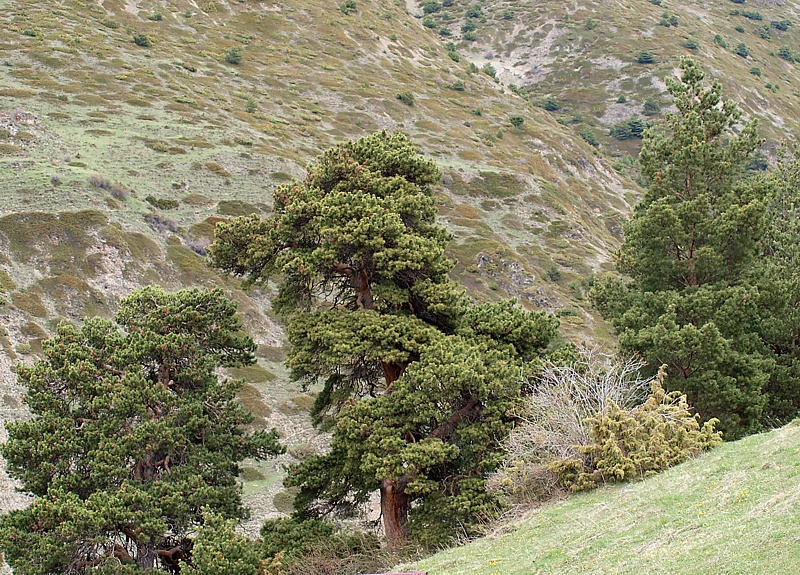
627	444
585	425
564	397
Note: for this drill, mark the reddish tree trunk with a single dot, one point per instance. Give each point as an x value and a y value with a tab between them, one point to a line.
392	372
394	508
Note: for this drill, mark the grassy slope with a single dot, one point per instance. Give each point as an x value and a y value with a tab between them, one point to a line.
175	120
734	511
584	54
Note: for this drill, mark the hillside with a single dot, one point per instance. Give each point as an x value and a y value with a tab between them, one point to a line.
117	159
177	121
128	128
588	56
731	511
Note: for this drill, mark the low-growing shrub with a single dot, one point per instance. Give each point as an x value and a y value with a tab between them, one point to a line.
217	169
634	443
296	539
234	56
100	181
142	40
651	107
781	25
634	127
742	50
645	57
162	203
588	136
786	53
562	397
119	192
550	104
431	6
161	223
516	121
406	97
348	7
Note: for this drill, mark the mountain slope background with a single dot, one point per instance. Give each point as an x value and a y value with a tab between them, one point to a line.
129	128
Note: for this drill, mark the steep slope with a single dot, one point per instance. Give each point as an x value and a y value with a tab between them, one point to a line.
127	131
176	120
734	510
129	127
587	61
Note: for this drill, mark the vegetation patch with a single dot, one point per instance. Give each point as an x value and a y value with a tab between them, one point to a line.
197	200
489	184
30	303
251	398
6	283
63	237
236	208
73	297
254	373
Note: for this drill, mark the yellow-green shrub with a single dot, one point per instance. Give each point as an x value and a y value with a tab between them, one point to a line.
627	444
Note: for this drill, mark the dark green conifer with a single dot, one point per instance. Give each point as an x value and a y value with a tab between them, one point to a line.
133	435
690	249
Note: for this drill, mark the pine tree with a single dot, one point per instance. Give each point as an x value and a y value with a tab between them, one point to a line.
690	249
416	388
133	435
778	274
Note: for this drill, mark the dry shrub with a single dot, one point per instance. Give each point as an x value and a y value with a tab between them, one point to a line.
161	223
554	423
200	247
100	181
629	444
592	422
119	192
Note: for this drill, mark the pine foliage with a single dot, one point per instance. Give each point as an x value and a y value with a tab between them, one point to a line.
418	385
690	250
133	434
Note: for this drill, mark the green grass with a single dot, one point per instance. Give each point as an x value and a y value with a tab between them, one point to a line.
733	511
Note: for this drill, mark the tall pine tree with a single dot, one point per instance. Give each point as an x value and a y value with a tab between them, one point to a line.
417	388
689	250
133	436
778	278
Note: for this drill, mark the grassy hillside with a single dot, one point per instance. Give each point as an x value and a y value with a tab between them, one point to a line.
534	211
128	128
586	55
733	511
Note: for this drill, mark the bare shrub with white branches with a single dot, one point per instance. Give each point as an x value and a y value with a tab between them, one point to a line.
554	419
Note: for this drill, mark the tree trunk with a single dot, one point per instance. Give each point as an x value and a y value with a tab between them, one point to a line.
146	556
394	508
392	372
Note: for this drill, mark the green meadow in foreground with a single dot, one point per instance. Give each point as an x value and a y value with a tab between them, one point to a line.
733	511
